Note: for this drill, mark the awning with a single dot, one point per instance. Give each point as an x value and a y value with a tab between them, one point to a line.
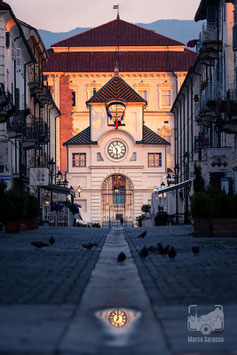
173	187
56	188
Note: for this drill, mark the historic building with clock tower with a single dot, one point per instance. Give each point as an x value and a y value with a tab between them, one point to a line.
115	85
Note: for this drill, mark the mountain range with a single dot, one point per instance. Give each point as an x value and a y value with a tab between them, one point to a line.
180	30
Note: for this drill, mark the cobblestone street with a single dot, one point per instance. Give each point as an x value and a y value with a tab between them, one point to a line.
49	296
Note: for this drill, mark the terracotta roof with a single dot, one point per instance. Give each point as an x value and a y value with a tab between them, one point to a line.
150	137
117	32
127	61
84	137
116	88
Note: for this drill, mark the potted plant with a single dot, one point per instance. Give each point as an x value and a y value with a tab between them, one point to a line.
18	210
203	85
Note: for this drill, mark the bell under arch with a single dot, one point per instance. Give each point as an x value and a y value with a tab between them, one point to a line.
117	200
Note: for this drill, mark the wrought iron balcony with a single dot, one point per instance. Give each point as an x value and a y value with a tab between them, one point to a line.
209	43
206	108
16	124
36	131
6	104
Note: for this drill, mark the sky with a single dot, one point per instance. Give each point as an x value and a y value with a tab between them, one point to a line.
64	15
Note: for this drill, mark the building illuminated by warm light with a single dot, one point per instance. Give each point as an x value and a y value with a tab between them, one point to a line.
116	169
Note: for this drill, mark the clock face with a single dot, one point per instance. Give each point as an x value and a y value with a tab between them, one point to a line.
116	149
118	318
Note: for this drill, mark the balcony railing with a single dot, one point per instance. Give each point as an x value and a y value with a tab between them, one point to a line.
209	32
38	131
208	37
16	122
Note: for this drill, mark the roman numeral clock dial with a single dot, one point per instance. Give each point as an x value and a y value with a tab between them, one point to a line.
116	150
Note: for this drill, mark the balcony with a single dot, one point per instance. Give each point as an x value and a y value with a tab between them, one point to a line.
209	43
6	105
15	124
210	102
36	131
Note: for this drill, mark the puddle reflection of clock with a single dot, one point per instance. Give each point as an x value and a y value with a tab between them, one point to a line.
118	318
116	149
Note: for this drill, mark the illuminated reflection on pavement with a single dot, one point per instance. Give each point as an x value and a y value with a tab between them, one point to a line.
118	324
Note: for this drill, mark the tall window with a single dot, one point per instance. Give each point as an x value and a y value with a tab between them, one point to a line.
154	159
79	159
143	94
166	98
74	98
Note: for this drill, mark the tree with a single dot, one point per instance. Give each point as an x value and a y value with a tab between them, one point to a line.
198	182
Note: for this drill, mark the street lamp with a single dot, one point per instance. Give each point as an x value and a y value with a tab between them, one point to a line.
162	185
59	177
51	165
72	193
79	190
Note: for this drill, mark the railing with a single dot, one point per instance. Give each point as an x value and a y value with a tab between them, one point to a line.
16	122
209	33
36	131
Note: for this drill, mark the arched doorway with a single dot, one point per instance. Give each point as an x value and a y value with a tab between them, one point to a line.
117	200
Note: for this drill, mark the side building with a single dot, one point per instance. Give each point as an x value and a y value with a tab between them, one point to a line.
27	109
205	107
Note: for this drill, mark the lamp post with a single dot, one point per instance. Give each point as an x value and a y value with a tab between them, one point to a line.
51	165
79	191
186	165
176	170
116	191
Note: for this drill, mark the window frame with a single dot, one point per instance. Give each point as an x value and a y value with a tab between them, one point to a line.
79	160
154	160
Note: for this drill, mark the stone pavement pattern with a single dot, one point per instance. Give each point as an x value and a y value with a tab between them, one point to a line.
209	278
47	305
52	275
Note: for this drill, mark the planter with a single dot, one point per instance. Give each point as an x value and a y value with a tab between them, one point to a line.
224	227
22	225
202	227
12	227
216	227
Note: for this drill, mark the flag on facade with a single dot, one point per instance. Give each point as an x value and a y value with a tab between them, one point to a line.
116	123
108	112
123	114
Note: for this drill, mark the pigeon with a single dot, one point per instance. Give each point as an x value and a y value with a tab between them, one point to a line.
195	250
172	253
89	246
39	244
121	257
152	249
143	253
51	240
142	235
165	251
160	248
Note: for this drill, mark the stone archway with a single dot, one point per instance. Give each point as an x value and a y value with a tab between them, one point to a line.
117	200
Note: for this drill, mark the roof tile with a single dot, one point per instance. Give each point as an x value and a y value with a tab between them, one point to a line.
127	61
117	33
116	88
